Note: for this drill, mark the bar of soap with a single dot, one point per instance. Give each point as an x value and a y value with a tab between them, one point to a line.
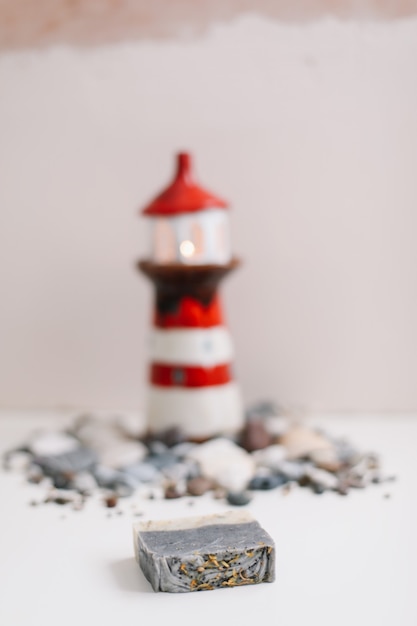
202	553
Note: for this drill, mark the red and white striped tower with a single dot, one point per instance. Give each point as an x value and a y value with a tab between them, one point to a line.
191	384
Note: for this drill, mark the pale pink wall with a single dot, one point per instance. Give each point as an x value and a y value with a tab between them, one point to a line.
309	129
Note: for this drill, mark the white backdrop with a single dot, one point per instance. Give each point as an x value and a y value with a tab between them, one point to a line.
310	130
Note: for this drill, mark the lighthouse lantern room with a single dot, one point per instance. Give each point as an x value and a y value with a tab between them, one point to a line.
191	385
189	225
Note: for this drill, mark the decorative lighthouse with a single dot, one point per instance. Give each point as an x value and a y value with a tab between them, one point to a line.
191	383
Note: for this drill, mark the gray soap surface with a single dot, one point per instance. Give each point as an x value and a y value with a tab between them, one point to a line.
202	553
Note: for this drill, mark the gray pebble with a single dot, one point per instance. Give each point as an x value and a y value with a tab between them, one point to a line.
75	461
157	447
143	472
162	460
264	409
34	474
119	482
346	453
238	498
293	470
181	450
176	472
264	483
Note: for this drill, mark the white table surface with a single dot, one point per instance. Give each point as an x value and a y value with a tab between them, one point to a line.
340	560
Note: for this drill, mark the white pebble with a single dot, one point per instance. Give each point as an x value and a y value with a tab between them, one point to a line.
293	470
122	453
270	457
277	425
224	462
84	482
131	424
17	460
96	432
322	478
51	443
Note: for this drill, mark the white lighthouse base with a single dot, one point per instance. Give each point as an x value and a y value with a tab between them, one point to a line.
199	413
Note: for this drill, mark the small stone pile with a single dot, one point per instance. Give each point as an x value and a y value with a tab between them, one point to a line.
110	458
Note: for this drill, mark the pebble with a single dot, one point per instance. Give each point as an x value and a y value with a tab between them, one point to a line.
321	478
293	470
181	450
84	482
180	471
156	493
224	462
52	443
122	453
172	492
111	501
143	472
327	459
171	437
199	486
263	409
301	441
130	425
265	483
96	432
354	482
346	453
270	457
157	448
35	474
254	436
343	488
115	480
361	470
16	460
61	497
219	493
277	425
163	460
63	480
238	498
77	460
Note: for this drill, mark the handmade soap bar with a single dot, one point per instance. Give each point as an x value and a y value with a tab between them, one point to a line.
201	553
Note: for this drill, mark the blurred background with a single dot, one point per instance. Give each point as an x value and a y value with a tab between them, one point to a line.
303	116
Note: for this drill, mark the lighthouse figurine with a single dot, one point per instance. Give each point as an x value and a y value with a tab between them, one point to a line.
191	384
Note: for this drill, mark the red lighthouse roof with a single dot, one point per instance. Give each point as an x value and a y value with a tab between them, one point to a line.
183	195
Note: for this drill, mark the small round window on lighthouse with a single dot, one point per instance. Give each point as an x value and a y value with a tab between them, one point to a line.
177	376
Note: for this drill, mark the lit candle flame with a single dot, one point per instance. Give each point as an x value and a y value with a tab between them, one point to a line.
187	248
